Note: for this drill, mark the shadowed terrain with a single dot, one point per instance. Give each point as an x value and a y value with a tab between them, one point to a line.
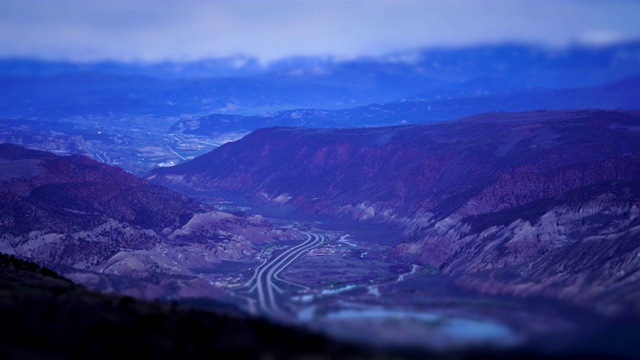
526	204
45	316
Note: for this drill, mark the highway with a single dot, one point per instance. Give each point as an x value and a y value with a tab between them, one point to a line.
175	153
264	281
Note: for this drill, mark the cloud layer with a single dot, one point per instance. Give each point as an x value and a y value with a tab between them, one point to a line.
186	30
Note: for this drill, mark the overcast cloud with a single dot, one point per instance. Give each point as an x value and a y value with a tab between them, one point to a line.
187	30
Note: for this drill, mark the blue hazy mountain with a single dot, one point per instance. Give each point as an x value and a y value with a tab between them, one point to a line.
243	85
618	95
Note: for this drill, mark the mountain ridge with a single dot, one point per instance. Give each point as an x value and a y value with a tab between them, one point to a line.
449	186
614	96
64	90
107	229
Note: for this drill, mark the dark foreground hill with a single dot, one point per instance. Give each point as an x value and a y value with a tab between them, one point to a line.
542	203
45	316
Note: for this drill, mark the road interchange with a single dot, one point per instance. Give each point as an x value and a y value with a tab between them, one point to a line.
265	279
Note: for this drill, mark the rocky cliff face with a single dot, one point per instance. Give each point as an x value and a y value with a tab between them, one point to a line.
535	203
104	227
498	160
580	246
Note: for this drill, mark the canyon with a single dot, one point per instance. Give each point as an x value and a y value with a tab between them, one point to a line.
531	204
454	201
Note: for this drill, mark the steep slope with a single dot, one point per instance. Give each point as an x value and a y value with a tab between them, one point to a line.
396	171
45	316
86	186
93	222
580	246
495	195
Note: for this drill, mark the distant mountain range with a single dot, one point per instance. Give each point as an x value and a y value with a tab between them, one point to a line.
618	95
142	115
538	203
110	230
55	90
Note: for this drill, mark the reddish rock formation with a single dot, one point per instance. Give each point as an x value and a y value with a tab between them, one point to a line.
480	197
111	230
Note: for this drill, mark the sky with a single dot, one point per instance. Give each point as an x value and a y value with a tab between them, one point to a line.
158	30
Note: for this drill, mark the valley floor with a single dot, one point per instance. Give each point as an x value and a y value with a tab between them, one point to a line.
340	280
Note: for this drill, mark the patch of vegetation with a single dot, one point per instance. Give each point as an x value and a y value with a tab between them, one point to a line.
26	265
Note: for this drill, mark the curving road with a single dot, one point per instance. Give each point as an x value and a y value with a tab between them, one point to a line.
265	276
